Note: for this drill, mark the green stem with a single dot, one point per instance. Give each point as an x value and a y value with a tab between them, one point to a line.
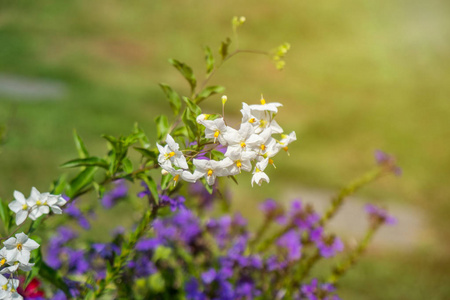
351	260
350	189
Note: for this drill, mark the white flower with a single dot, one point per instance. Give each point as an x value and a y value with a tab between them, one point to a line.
18	248
272	107
212	168
243	140
17	265
260	119
215	129
55	202
242	161
8	290
258	174
286	140
38	203
171	152
20	206
180	173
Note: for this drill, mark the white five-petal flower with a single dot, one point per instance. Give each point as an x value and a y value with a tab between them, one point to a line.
18	248
171	152
20	206
212	168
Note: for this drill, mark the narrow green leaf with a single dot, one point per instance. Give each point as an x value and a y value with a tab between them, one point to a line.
5	214
90	161
173	97
81	148
127	165
209	91
223	49
192	106
186	71
59	185
151	186
165	180
112	140
84	178
191	123
162	126
150	154
209	58
143	139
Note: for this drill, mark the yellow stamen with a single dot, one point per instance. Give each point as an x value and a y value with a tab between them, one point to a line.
263	101
3	261
257	170
243	144
171	154
5	287
263	147
283	136
262	123
270	161
19	247
176	177
216	134
38	202
24	207
238	163
252	120
285	148
210	172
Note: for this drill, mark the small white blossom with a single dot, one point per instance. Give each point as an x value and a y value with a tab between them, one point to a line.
215	129
20	206
286	140
180	173
260	119
272	107
212	168
18	248
243	140
258	174
171	152
8	289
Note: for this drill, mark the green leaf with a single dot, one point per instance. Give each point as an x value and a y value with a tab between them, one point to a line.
90	161
223	49
143	139
5	214
84	178
217	155
165	180
192	106
156	282
150	154
209	91
190	121
186	71
173	97
58	185
162	252
151	186
127	165
162	126
81	148
209	60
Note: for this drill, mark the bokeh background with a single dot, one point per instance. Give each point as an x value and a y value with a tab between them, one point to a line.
360	76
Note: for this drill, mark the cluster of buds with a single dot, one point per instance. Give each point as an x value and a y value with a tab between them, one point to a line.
252	143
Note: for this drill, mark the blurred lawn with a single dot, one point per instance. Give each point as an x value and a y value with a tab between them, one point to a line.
361	75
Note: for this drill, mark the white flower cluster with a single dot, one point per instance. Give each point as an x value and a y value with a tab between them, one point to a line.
253	142
36	205
14	255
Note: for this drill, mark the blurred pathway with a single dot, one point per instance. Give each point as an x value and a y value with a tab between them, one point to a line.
30	89
411	232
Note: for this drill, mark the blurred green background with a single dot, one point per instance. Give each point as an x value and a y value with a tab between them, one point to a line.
361	75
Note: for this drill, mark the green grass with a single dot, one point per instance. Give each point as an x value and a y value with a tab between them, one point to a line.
361	75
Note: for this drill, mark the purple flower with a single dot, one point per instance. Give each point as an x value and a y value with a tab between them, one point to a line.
148	244
291	242
384	159
73	211
209	276
192	290
119	191
305	218
380	215
316	291
328	245
175	203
